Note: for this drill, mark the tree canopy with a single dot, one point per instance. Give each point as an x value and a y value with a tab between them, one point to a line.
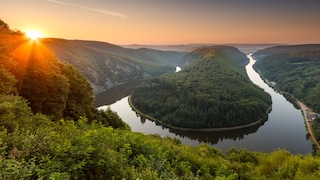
295	73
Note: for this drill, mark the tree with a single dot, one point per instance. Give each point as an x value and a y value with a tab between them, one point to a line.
14	111
7	82
80	95
4	26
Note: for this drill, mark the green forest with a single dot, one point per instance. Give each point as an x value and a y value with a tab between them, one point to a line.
214	91
296	73
316	128
48	130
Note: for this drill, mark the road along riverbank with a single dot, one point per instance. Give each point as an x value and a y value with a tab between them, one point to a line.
305	112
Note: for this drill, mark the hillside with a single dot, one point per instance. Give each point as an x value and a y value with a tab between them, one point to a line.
28	69
106	65
295	73
214	91
284	49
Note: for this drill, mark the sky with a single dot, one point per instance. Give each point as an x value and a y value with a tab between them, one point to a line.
158	22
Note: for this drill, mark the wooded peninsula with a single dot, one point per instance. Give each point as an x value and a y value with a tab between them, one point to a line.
214	91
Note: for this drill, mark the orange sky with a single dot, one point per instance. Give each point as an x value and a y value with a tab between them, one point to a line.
169	21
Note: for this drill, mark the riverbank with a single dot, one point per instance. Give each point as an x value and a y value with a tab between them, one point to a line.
306	112
260	121
114	94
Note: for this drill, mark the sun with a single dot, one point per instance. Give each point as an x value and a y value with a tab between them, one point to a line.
34	35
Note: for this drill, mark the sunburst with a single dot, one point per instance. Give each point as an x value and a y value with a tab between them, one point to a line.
34	35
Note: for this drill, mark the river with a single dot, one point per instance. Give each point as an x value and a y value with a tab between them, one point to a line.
284	129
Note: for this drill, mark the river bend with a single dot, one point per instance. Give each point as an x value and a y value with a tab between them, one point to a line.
284	129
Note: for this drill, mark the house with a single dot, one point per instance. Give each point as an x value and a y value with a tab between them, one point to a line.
313	116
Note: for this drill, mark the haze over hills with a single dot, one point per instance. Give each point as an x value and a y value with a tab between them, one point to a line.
106	65
190	47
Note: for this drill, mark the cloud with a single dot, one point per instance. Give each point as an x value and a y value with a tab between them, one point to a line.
111	13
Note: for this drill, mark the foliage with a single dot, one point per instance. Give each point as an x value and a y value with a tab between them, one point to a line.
295	73
4	28
40	148
14	111
316	128
7	82
109	118
214	91
78	87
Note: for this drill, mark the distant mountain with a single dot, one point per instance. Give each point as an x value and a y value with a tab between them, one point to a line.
201	51
246	48
179	48
106	65
285	49
212	91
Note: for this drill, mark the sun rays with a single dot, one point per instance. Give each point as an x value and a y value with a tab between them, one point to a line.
29	54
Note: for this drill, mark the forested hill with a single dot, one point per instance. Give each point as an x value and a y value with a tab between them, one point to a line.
285	49
106	65
214	91
295	73
203	52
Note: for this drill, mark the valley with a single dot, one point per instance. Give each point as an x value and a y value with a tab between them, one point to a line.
132	90
114	94
192	139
